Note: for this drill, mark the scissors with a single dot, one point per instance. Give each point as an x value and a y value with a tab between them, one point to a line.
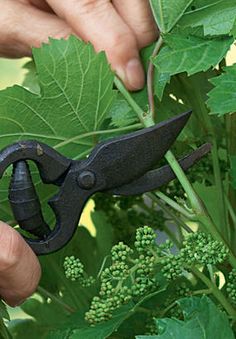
124	165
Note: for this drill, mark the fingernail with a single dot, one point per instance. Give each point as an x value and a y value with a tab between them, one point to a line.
135	74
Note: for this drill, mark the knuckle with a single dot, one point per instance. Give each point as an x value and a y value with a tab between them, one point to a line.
88	6
146	36
61	33
122	39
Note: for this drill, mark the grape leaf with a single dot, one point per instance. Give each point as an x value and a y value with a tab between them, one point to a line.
216	16
202	319
168	13
233	30
190	54
187	53
103	330
121	113
75	96
222	98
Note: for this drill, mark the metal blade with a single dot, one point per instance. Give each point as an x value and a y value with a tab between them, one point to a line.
124	159
154	179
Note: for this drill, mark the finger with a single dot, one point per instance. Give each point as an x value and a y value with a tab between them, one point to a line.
19	267
23	27
138	15
98	22
41	4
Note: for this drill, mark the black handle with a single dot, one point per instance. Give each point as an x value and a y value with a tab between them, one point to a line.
67	205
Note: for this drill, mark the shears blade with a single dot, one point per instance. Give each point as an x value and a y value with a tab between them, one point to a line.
154	179
124	159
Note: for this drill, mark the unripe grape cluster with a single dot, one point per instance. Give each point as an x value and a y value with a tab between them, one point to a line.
201	248
132	272
130	275
198	249
74	271
73	268
231	286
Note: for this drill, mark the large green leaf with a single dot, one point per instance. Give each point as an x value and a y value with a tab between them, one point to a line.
202	320
191	54
168	13
121	113
187	53
222	98
105	329
76	94
216	16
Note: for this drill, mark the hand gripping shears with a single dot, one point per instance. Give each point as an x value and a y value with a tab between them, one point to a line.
121	166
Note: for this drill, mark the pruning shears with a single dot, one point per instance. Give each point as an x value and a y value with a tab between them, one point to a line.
120	166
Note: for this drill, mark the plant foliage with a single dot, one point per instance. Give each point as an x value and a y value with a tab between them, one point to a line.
160	265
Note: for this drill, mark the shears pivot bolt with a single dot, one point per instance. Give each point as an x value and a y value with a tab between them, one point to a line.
86	180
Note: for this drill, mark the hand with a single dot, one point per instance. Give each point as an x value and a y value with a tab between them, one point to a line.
19	267
120	27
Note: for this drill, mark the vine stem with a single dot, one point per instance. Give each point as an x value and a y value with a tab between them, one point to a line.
215	291
196	203
150	78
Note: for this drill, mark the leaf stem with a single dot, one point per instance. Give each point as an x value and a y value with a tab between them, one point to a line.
172	203
150	77
144	117
107	131
215	291
57	300
169	212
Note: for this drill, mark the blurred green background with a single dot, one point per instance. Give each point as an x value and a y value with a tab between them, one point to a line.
11	71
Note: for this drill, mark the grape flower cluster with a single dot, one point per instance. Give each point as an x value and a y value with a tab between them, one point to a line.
130	276
198	249
131	273
231	285
74	271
